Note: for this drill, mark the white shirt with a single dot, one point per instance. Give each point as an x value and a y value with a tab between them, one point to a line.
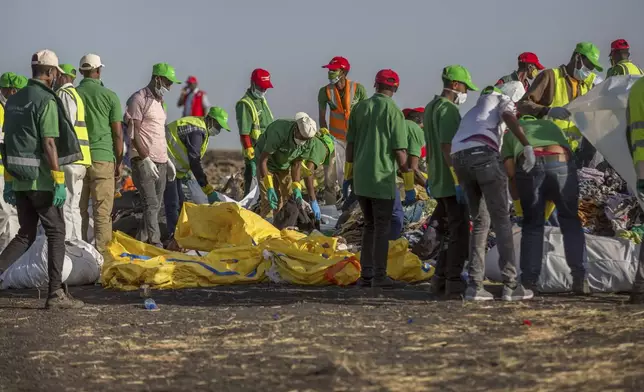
484	119
187	106
68	102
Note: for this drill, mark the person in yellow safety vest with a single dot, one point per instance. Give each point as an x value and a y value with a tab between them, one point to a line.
75	172
253	117
635	137
10	83
340	95
620	60
554	88
187	143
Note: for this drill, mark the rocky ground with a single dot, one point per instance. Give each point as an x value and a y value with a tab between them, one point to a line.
278	338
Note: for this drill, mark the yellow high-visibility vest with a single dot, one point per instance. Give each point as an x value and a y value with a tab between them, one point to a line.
256	130
1	133
635	127
177	151
80	127
561	99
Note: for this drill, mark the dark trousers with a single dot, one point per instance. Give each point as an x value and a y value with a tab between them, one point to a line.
450	264
375	236
397	219
556	181
34	206
173	199
638	286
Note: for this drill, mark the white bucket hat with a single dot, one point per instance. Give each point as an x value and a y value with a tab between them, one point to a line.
307	126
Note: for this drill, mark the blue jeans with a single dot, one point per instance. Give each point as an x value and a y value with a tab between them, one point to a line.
397	218
556	181
173	199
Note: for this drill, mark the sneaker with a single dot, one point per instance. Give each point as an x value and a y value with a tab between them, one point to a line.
387	283
364	282
532	286
519	293
60	299
476	293
581	287
636	298
437	285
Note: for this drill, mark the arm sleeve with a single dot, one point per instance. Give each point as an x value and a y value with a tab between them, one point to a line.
352	127
540	95
361	93
448	121
244	118
193	142
506	105
69	105
416	141
399	130
322	98
48	121
116	113
135	107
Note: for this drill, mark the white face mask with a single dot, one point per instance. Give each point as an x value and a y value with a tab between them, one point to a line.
460	97
299	142
582	73
213	131
257	93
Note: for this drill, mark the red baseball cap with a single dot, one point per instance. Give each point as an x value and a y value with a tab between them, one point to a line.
261	78
409	110
338	63
531	58
388	77
191	79
619	44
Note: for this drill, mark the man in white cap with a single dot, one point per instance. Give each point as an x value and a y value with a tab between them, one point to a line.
39	137
103	117
279	149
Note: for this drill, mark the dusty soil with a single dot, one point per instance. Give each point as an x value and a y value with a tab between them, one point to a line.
278	338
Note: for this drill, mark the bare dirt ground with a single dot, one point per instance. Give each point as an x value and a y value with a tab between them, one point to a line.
278	338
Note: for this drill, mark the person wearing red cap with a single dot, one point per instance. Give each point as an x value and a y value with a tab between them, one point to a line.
340	95
376	142
193	100
529	67
620	60
253	116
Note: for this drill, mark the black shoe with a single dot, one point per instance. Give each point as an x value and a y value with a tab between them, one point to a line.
387	283
364	282
60	299
532	286
636	299
581	287
455	289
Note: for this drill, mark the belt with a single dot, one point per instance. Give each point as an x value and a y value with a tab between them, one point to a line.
547	158
476	150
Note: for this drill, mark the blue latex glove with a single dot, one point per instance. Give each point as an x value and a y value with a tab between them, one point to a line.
271	195
345	188
410	197
460	195
8	195
60	194
297	195
316	210
213	197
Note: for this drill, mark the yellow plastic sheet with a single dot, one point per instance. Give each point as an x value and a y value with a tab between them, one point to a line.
405	266
207	227
130	263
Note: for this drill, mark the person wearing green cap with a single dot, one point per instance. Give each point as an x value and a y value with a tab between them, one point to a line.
151	169
442	119
10	83
187	143
554	88
103	116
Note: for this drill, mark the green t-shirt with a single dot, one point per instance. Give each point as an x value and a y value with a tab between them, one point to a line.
279	142
441	122
316	152
376	128
415	138
47	127
360	95
245	118
540	133
102	108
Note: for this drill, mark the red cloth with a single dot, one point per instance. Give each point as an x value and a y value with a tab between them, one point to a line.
245	141
197	104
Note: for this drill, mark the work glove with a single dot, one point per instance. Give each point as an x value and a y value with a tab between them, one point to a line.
60	193
150	168
255	134
529	158
271	195
325	131
8	194
172	171
210	192
410	191
460	195
296	187
253	167
559	113
316	210
249	153
518	210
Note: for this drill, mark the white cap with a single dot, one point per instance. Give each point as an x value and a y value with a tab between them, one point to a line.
515	90
307	126
92	61
46	57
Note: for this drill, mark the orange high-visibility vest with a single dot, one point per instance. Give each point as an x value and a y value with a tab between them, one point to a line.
338	110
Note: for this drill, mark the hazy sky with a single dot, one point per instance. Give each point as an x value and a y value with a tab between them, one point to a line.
221	42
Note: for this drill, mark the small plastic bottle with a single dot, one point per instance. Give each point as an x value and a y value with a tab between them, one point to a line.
149	304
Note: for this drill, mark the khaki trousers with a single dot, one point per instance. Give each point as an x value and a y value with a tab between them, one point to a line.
99	183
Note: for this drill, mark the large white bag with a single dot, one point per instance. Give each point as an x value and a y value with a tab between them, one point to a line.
8	220
82	265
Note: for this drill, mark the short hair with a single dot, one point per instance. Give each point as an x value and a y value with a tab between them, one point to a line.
39	70
416	117
383	87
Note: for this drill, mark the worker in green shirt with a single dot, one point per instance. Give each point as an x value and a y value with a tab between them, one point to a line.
442	119
10	83
38	138
253	116
554	177
279	149
620	60
376	142
318	153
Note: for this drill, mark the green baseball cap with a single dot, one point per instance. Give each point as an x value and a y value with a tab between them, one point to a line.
9	80
591	52
21	82
220	115
165	70
458	73
68	70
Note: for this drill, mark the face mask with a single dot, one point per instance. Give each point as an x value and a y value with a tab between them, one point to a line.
257	93
299	142
334	77
213	131
160	90
460	97
533	74
582	73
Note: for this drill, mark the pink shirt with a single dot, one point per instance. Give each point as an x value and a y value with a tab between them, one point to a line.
144	107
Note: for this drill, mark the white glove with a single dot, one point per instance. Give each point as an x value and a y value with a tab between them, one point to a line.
529	158
559	113
172	171
150	168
